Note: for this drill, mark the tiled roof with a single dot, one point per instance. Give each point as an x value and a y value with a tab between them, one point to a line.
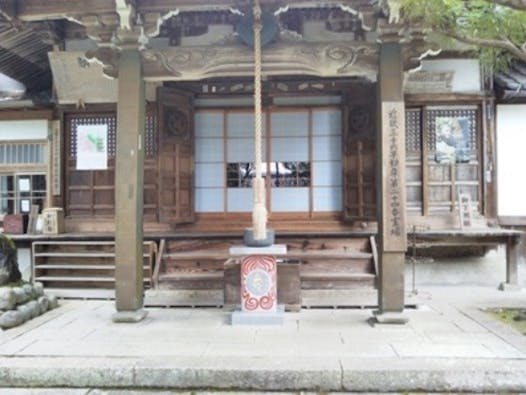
23	56
510	85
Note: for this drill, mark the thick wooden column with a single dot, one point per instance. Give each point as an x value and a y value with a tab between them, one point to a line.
391	183
129	180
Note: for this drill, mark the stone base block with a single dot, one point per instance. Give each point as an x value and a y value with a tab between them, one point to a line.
389	318
255	318
510	287
129	316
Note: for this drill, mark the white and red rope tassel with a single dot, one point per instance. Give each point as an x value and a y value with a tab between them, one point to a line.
259	213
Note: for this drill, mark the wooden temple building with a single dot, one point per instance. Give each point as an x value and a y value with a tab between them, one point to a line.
138	123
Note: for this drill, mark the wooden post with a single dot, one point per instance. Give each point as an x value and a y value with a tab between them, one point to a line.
129	180
391	184
512	265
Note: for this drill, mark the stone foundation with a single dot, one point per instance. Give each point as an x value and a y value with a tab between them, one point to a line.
21	303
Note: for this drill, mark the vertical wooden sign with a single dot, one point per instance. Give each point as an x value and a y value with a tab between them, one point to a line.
465	212
393	176
55	158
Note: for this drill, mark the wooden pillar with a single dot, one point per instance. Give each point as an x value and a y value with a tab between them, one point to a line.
512	265
391	184
129	181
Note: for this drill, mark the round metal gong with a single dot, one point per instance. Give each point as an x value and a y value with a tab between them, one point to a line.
270	28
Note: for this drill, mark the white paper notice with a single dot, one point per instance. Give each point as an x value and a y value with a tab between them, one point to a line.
23	185
24	206
92	147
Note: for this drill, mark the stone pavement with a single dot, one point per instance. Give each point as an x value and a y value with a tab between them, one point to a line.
448	345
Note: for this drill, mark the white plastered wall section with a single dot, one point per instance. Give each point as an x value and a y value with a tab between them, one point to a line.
511	143
24	130
466	73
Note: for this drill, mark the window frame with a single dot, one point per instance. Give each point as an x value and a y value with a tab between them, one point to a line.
267	142
17	194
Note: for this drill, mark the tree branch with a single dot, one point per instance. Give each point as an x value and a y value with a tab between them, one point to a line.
516	4
484	42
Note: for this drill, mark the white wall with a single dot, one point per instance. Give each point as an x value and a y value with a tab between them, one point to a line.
511	159
24	130
466	78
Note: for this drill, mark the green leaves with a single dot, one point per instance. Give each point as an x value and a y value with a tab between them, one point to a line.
497	33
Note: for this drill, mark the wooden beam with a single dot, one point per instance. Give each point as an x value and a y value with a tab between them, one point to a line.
35	10
12	115
202	5
424	98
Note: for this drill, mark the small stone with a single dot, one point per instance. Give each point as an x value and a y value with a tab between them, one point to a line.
53	302
7	298
38	288
20	294
35	308
10	319
25	311
521	316
9	272
43	302
30	292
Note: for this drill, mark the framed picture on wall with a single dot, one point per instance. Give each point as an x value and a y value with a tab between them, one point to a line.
452	139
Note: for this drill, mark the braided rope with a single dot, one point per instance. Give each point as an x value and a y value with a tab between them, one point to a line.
259	214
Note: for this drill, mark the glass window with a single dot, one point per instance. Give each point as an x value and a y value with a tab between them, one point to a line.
239	175
22	153
282	174
19	192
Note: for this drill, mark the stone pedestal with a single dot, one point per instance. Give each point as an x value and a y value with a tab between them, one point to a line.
510	287
388	318
259	300
129	316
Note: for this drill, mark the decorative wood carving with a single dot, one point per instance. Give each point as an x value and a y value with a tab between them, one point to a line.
319	59
417	49
126	13
99	27
176	123
108	57
361	121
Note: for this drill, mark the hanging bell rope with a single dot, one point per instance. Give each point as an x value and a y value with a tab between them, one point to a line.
259	213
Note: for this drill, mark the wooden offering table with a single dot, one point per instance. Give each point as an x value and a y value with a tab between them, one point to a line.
483	237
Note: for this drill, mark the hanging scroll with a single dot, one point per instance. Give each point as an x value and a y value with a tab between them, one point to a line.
92	147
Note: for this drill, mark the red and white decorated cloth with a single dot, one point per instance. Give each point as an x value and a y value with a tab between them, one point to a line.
258	283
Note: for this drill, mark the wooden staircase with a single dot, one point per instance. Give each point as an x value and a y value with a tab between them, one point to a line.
346	276
317	271
82	269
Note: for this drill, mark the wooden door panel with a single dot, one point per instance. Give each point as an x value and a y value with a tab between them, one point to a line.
359	140
359	160
91	192
176	157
